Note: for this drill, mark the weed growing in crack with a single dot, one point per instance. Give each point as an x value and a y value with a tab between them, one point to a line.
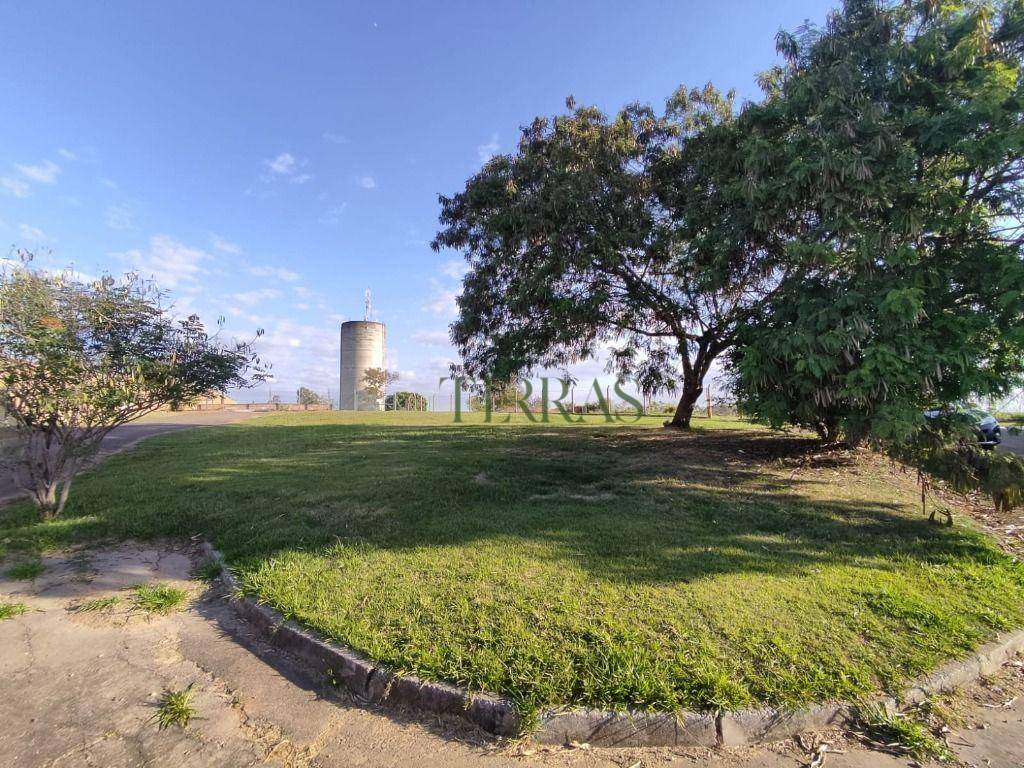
29	569
96	605
158	598
175	708
900	733
10	610
208	570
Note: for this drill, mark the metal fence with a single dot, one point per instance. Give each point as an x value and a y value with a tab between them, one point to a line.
1013	403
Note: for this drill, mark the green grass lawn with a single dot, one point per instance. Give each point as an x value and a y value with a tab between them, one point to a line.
613	566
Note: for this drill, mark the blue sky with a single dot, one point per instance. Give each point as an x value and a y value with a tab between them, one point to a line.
268	162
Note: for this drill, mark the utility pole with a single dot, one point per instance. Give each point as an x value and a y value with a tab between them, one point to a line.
709	400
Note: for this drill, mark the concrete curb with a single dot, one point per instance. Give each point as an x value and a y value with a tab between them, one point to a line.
369	681
497	715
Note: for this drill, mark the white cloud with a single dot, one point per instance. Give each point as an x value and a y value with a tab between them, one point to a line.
486	151
303	306
301	355
45	173
66	271
109	183
367	182
167	262
220	244
16	187
67	154
334	138
259	194
257	320
286	166
333	214
455	269
283	164
120	217
183	306
424	379
278	273
442	303
255	297
33	234
432	338
302	291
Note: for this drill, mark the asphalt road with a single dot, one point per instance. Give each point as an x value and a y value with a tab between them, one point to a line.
128	435
1012	443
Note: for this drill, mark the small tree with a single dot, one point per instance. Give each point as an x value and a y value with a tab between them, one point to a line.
376	382
306	396
569	383
79	359
504	394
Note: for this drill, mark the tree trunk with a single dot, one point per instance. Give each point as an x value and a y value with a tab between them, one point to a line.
828	431
684	410
46	470
45	498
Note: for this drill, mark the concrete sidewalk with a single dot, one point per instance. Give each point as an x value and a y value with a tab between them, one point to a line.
128	435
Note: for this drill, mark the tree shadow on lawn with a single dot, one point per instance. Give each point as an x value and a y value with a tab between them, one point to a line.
640	506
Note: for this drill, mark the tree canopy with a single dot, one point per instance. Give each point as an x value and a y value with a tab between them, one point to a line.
609	232
851	242
893	136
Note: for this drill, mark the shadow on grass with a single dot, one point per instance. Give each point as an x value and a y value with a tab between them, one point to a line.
627	505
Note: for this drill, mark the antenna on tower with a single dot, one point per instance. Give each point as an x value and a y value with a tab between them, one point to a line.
367	305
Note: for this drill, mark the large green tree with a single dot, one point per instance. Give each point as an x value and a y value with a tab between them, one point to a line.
79	359
631	232
892	139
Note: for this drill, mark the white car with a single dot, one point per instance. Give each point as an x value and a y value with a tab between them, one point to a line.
990	434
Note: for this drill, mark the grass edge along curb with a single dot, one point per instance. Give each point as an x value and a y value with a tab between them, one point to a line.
497	715
369	681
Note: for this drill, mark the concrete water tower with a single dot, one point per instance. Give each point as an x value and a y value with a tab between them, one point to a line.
363	346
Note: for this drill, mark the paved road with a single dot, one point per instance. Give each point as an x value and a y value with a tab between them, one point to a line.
1012	443
130	434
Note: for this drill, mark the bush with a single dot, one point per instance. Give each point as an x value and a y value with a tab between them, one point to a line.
405	401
